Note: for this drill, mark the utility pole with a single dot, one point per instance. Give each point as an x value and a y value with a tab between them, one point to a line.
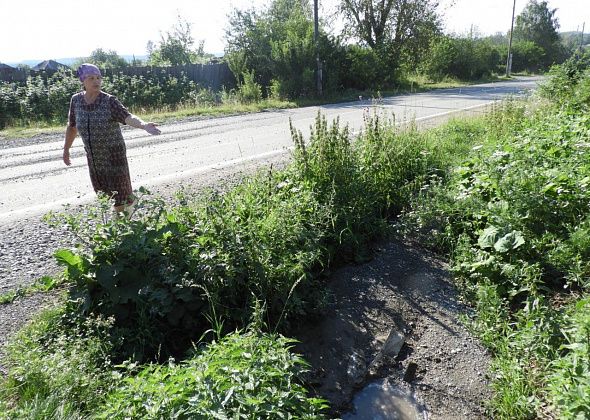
582	37
316	37
509	58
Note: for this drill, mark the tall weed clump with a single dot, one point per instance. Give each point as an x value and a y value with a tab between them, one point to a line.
363	180
167	273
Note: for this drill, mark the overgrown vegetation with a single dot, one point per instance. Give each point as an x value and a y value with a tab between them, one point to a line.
163	279
514	220
505	197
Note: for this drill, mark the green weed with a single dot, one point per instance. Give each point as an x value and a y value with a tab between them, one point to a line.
249	375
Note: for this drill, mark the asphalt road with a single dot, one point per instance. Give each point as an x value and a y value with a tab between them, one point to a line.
34	180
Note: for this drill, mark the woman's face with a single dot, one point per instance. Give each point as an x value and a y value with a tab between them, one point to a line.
92	83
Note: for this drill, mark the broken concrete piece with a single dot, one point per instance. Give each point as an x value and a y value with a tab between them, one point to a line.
393	344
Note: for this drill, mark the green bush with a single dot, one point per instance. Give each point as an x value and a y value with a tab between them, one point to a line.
277	43
365	70
249	91
526	56
250	375
569	83
464	58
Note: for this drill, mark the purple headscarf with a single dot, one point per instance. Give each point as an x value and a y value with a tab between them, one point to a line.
86	70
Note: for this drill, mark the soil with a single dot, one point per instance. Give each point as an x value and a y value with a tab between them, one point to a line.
403	291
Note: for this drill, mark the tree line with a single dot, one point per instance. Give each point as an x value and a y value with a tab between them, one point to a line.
382	43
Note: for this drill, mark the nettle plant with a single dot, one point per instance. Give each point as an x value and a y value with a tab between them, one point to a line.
169	273
142	272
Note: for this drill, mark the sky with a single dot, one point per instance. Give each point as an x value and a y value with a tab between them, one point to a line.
52	29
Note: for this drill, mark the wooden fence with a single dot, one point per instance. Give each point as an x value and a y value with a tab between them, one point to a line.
213	76
13	75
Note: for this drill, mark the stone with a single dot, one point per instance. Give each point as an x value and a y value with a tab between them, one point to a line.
410	373
393	344
357	368
391	348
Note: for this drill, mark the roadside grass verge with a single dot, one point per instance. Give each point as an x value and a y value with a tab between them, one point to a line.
513	218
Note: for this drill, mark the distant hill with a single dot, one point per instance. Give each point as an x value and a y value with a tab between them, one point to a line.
67	61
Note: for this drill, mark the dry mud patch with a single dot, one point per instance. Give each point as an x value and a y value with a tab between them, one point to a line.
402	292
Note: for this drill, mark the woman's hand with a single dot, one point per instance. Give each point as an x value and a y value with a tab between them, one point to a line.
66	157
151	128
135	121
71	133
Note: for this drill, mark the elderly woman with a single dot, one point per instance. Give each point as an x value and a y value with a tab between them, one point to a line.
96	115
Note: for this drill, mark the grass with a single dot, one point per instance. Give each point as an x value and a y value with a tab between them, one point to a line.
43	284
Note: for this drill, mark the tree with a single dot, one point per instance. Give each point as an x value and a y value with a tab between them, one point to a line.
277	45
538	24
395	29
177	47
103	59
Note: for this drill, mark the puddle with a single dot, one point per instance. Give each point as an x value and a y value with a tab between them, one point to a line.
382	401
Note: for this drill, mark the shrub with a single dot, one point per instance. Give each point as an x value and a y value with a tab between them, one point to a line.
569	81
366	70
249	91
250	375
464	58
526	56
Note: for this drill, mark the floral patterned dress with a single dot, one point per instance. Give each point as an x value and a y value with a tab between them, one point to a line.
98	125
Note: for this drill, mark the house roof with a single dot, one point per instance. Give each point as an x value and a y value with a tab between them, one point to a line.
49	65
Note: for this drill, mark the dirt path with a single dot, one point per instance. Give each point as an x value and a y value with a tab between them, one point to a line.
407	292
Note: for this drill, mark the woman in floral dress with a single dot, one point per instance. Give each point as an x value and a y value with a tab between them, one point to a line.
96	116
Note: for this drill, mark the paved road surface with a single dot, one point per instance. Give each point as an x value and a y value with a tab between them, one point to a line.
33	178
